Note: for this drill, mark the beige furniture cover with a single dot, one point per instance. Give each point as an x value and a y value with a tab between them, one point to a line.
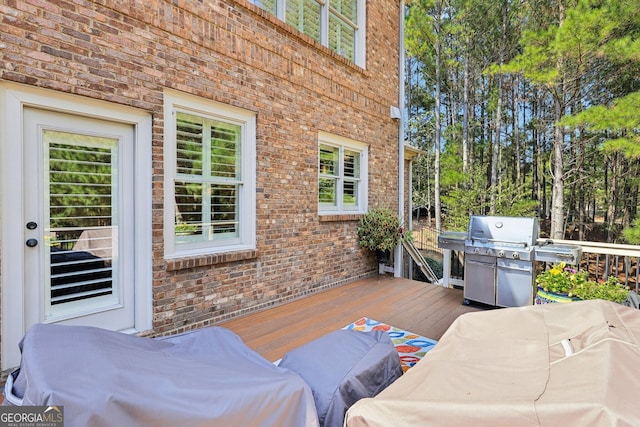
574	364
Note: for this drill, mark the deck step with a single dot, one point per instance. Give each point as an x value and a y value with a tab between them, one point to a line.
420	262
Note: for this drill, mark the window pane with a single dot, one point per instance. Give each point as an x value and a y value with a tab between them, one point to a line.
346	8
207	151
305	16
350	194
225	150
189	144
329	160
341	37
224	211
189	210
351	164
327	192
268	5
80	186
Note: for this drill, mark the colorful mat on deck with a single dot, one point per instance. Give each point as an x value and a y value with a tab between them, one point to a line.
411	347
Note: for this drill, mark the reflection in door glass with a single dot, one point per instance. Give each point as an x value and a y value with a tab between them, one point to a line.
81	190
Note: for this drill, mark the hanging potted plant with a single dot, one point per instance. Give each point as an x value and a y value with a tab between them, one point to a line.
380	230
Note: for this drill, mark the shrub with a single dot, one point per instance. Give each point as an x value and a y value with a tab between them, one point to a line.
381	230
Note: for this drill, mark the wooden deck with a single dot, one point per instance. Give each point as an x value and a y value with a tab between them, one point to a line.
419	307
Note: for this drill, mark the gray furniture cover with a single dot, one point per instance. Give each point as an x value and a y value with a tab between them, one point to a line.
206	377
343	367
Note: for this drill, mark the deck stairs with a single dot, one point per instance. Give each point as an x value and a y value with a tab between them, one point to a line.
420	262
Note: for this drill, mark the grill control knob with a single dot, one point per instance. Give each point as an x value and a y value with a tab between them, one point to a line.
515	255
501	254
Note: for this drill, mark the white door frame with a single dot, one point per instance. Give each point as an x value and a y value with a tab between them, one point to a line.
13	98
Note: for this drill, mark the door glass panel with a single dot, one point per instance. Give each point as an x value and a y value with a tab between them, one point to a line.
81	183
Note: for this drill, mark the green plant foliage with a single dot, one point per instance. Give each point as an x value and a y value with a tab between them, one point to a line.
380	229
621	118
436	266
469	196
611	290
560	279
565	280
632	234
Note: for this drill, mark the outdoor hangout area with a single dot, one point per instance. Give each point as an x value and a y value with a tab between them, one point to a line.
376	352
345	213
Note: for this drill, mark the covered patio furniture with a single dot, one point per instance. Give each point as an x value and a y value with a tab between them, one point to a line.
343	367
574	364
207	377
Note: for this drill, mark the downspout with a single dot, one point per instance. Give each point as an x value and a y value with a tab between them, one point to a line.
409	220
397	268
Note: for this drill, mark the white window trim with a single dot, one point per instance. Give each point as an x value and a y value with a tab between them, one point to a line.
179	101
13	98
361	35
363	187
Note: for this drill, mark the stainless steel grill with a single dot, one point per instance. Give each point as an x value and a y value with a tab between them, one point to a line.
499	258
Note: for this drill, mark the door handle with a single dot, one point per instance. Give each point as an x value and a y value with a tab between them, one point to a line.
32	243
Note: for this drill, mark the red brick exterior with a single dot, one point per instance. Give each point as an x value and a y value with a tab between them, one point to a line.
230	51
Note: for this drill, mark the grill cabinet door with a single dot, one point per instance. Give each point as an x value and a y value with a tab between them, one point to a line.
514	283
479	278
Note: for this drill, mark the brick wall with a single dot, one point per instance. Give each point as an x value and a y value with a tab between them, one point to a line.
127	52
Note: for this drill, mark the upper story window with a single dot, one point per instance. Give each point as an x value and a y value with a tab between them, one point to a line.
338	24
210	176
342	175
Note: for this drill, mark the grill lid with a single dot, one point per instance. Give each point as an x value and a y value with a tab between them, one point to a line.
485	230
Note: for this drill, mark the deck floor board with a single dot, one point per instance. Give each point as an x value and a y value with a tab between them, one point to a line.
419	307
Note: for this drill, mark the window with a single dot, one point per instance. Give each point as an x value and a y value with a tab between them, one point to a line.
338	24
343	15
210	176
342	175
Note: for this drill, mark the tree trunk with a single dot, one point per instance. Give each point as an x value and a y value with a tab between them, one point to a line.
557	193
498	124
465	116
516	130
613	198
437	124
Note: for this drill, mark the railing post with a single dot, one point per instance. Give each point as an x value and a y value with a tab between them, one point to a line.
446	268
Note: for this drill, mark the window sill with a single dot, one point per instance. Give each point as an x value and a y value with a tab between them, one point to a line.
340	217
193	261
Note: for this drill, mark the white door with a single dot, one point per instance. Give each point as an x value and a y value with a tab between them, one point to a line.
75	214
78	220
